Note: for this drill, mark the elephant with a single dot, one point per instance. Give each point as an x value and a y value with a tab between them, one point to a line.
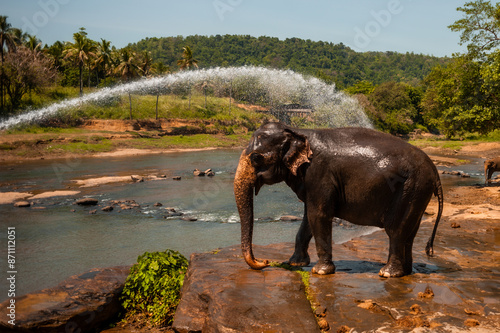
356	174
490	166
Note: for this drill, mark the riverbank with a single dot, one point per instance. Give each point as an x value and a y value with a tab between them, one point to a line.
105	138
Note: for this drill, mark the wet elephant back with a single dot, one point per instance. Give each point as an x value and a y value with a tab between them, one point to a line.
370	171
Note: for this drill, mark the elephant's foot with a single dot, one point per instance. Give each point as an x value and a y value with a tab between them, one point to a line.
322	268
298	260
393	271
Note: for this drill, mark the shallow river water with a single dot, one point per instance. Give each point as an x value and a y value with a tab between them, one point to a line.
63	239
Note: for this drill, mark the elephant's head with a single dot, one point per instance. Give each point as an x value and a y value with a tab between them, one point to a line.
489	164
274	152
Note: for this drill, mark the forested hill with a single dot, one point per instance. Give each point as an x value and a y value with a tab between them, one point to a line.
330	62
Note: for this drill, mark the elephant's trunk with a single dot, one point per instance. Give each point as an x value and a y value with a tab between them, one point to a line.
486	167
244	184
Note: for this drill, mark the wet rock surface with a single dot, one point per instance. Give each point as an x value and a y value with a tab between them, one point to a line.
454	291
82	303
222	295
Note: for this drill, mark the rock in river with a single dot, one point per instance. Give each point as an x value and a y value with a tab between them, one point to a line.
22	204
87	202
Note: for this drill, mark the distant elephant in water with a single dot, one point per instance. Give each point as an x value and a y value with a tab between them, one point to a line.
356	174
491	166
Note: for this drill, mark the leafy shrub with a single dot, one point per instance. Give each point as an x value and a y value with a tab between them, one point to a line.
152	289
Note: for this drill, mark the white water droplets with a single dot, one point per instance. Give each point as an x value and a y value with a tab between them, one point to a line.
332	108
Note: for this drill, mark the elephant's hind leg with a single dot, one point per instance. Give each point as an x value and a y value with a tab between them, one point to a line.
402	232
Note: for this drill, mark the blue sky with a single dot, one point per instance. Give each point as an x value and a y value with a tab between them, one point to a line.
418	26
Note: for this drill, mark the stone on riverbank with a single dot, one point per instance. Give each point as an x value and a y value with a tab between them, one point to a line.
82	303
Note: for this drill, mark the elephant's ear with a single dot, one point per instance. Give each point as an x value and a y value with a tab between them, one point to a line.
299	151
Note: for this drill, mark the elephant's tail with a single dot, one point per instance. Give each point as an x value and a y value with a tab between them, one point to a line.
438	192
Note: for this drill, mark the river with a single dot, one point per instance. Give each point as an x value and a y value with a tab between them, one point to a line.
62	239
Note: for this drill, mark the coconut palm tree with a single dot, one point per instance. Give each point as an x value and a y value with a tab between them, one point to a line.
187	60
56	53
146	63
159	68
33	43
7	40
80	52
103	59
127	69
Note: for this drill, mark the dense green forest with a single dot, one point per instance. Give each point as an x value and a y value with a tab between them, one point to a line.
327	61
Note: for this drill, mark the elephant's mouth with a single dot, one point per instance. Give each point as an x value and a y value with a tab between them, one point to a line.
258	184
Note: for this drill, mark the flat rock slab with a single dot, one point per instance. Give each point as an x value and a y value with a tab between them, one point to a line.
456	290
221	294
82	303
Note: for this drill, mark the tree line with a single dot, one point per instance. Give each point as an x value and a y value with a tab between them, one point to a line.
399	92
459	97
333	63
28	67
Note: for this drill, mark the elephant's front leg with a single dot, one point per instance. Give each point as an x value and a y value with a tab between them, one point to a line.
490	174
320	221
300	257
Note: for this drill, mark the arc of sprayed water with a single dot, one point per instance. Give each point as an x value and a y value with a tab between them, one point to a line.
331	107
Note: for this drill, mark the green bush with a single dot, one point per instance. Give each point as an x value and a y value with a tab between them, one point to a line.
152	289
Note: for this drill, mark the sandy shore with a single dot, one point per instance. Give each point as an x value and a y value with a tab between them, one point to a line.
132	152
11	197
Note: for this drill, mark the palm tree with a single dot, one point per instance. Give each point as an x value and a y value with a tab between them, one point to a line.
104	57
33	43
128	69
187	60
19	36
7	39
146	62
159	68
56	52
80	51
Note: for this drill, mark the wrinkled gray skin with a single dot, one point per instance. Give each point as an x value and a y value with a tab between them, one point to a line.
356	174
490	166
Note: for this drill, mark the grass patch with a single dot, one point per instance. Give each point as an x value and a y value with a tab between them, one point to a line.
36	129
169	106
82	147
6	146
457	143
190	141
305	277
